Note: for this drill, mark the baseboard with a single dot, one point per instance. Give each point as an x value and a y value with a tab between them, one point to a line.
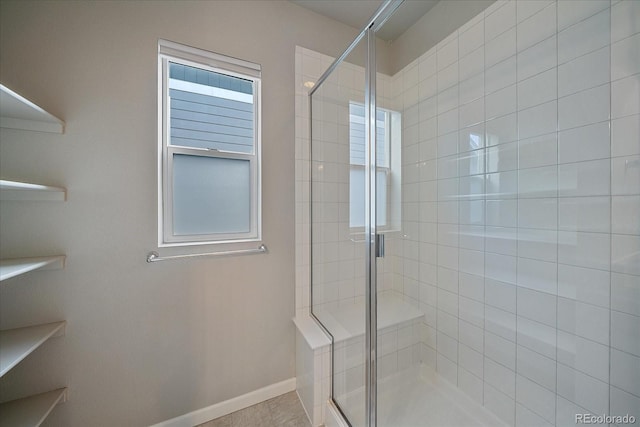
228	406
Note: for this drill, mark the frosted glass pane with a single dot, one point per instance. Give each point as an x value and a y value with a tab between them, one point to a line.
211	195
356	197
381	198
357	136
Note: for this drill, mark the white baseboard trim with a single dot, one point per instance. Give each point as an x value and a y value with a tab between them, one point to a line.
228	406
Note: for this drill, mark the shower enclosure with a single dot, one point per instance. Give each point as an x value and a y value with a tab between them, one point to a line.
475	218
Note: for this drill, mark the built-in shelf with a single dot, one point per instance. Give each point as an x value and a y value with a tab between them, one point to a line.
16	344
31	411
17	112
14	267
24	191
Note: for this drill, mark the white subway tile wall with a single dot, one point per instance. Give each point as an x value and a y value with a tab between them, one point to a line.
520	207
544	263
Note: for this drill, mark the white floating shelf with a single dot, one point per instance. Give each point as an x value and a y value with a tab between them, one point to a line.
16	344
24	191
14	267
31	411
17	112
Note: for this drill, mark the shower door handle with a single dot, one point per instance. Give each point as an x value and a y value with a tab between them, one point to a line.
379	245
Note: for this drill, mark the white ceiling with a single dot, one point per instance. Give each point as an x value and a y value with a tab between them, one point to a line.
356	13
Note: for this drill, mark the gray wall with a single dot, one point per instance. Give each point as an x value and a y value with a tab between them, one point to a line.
144	342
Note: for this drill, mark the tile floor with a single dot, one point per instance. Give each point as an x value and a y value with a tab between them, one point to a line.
282	411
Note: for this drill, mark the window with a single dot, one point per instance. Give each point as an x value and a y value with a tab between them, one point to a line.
387	167
209	156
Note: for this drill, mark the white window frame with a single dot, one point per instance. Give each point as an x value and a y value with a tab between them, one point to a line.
392	171
170	52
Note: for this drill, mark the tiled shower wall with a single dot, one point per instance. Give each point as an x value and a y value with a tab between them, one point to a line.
338	252
521	208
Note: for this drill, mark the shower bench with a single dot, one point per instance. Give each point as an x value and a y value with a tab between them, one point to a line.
399	337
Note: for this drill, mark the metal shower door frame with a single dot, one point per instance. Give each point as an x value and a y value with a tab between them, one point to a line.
384	12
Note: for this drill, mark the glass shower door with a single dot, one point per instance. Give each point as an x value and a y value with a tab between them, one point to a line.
338	277
355	206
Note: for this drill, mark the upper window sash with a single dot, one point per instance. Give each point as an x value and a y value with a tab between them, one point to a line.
233	124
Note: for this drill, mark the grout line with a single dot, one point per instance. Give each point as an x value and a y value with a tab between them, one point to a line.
484	202
557	34
436	327
517	178
610	370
